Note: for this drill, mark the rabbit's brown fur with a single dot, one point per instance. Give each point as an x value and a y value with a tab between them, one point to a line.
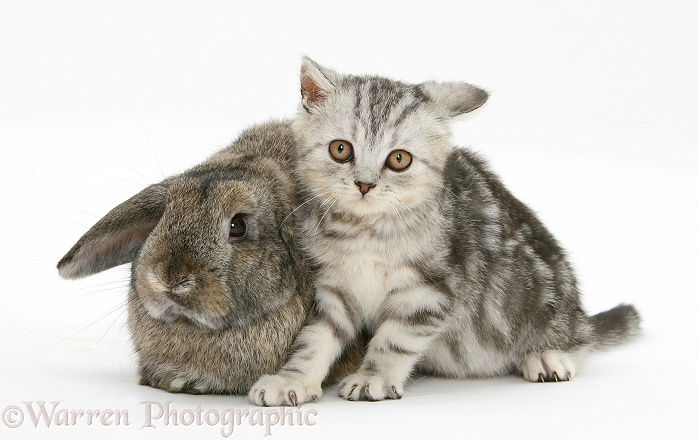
209	313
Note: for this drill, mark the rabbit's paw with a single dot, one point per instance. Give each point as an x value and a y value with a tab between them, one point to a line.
281	390
365	386
177	384
548	366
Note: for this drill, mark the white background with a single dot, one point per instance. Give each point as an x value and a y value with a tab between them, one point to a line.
592	122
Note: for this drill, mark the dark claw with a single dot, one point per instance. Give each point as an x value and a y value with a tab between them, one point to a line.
261	397
293	398
191	390
352	389
555	376
363	394
541	377
393	393
568	376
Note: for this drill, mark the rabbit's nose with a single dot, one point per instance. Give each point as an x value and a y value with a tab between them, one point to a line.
182	283
175	291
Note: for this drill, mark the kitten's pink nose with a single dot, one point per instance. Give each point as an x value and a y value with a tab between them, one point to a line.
364	187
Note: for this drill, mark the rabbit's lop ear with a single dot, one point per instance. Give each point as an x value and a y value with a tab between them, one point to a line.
117	237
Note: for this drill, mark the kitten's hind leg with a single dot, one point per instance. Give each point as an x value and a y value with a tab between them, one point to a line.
548	366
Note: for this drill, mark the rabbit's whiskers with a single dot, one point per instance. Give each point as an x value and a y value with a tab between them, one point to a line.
104	315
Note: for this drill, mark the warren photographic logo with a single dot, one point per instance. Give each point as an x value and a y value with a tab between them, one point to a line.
152	416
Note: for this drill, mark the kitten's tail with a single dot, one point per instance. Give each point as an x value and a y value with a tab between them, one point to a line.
615	326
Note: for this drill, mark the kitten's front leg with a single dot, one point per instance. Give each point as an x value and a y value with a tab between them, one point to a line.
413	320
315	349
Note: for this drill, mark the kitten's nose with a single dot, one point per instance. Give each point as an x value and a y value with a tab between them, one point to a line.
364	187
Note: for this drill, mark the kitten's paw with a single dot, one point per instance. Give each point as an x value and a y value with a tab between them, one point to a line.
280	390
549	366
364	386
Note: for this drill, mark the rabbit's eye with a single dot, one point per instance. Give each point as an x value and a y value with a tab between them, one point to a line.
238	227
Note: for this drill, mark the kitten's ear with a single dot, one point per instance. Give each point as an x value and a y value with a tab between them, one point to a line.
454	98
316	84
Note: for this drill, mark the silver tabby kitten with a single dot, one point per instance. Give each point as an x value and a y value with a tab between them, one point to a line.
419	244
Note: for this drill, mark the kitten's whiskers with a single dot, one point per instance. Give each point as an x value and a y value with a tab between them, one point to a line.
327	200
392	205
459	199
403	204
297	208
332	197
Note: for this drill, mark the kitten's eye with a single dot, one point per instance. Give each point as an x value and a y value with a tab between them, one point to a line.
238	227
341	151
398	160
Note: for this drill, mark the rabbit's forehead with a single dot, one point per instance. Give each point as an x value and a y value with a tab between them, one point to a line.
234	196
216	193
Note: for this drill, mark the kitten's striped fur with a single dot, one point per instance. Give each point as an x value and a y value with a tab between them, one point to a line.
446	270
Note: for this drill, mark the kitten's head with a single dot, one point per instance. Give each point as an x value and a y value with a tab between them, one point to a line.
372	145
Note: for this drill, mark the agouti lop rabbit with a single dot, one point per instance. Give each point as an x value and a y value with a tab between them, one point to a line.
219	287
